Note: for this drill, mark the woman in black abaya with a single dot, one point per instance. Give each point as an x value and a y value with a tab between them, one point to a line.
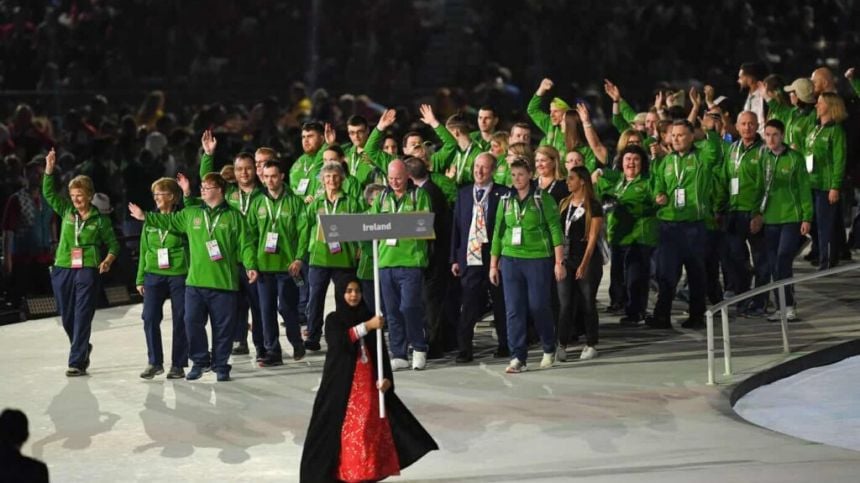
346	439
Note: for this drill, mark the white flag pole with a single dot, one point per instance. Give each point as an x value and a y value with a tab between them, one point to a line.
378	308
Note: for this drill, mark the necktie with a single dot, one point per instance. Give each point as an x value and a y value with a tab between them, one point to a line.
477	231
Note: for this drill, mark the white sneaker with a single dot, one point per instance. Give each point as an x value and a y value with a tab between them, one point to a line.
515	367
561	353
588	353
790	315
419	360
399	364
547	360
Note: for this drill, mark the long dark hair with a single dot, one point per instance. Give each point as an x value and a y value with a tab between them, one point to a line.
584	175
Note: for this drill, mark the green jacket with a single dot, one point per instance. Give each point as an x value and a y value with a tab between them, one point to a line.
95	231
151	240
285	216
743	163
540	222
476	138
306	167
855	84
235	239
552	134
360	165
633	221
693	172
320	253
826	145
502	175
374	152
788	197
405	253
797	123
447	185
350	186
235	197
364	271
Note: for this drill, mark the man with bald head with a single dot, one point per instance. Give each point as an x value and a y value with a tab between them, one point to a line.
471	238
823	81
401	272
740	188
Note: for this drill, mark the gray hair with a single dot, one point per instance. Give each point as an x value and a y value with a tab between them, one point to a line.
333	167
371	190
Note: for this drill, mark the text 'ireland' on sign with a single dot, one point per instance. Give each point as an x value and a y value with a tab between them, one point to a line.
346	228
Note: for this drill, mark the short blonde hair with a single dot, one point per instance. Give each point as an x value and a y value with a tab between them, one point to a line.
83	183
524	151
501	137
268	152
835	106
169	185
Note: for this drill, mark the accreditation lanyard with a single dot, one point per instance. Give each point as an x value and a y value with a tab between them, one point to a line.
277	216
244	202
333	207
622	186
573	214
769	174
80	223
162	235
210	228
460	161
679	173
520	212
395	206
353	162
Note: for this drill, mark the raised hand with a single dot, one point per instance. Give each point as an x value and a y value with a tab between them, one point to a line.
386	120
849	74
136	212
427	116
658	100
545	86
208	142
611	90
695	97
50	161
709	94
184	183
582	110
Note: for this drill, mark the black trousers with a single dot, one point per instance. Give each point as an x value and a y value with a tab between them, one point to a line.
578	303
476	289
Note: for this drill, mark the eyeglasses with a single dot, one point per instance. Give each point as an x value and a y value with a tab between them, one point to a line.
208	188
162	194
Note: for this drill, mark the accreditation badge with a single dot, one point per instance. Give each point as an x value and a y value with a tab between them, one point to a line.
516	236
809	163
680	198
214	250
302	188
334	248
735	187
392	242
77	257
163	258
271	242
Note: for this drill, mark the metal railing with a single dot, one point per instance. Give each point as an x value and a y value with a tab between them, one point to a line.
723	308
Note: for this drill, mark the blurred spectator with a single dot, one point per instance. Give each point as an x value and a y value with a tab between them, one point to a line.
14	466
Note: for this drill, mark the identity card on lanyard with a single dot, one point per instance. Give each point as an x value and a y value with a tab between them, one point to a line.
680	193
333	247
272	234
572	215
163	254
392	242
212	245
517	230
77	251
735	184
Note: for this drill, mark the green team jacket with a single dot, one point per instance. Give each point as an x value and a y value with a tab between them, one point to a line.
826	145
693	172
151	240
797	123
373	150
360	165
351	186
540	224
476	138
306	167
320	253
552	134
855	84
406	253
96	230
788	197
235	240
285	216
743	163
624	120
451	157
234	196
502	175
633	221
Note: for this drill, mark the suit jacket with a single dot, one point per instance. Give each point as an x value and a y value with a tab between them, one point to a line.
441	224
462	221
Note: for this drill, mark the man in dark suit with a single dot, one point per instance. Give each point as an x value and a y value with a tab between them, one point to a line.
13	465
441	332
471	236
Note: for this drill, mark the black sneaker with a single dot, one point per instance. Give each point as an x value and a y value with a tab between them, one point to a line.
87	360
299	353
196	372
151	371
658	322
272	360
240	348
261	355
312	346
464	358
630	320
176	373
502	353
694	323
75	372
222	375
